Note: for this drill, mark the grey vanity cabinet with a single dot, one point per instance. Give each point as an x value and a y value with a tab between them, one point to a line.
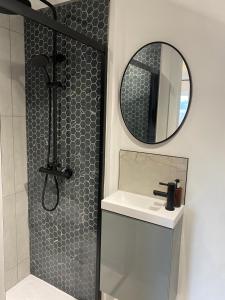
139	260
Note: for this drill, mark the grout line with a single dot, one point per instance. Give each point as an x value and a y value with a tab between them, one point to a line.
9	116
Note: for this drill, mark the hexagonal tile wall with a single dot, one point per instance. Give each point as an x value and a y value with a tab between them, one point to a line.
63	243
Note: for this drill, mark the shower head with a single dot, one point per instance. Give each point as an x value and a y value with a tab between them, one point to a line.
41	61
8	12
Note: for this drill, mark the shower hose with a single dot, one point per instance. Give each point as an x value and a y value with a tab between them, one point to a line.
49	163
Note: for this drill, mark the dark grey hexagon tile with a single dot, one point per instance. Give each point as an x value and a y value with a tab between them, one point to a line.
63	243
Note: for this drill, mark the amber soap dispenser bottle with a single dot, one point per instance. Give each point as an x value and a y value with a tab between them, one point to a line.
178	194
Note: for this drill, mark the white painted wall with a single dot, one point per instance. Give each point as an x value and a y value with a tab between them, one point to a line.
201	38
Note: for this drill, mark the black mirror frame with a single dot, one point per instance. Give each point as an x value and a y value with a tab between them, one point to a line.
190	98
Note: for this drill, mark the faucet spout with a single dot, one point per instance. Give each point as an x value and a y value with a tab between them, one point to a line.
159	193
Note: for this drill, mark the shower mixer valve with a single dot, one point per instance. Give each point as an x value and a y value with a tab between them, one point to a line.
52	170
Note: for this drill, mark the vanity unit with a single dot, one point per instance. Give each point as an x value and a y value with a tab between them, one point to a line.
140	248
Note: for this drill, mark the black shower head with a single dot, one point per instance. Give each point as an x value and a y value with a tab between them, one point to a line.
7	12
40	61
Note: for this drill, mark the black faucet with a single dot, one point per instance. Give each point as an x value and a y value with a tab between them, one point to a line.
170	195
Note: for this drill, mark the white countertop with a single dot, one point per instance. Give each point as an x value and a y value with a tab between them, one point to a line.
143	208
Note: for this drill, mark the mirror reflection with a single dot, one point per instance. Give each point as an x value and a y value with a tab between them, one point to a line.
155	93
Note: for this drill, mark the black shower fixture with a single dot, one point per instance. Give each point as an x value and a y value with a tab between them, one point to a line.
41	61
7	12
49	66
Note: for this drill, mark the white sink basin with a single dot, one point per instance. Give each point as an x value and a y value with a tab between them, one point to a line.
143	208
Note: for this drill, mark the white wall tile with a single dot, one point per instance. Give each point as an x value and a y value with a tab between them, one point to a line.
7	156
16	24
4	21
10	278
10	236
23	244
21	203
20	153
17	45
18	73
9	207
2	271
5	74
13	148
23	269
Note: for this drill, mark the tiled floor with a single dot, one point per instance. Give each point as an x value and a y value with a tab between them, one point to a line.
32	288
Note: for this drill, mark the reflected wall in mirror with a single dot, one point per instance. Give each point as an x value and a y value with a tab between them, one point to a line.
156	93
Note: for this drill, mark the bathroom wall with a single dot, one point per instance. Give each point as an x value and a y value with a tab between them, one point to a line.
13	150
201	38
64	242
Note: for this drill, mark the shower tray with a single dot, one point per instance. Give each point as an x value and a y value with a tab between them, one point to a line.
32	288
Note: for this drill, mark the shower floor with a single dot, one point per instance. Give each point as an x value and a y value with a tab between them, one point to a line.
32	288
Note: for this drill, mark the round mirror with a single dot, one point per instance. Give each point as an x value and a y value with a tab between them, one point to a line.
155	93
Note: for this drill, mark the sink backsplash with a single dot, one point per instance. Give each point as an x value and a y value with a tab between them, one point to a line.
141	173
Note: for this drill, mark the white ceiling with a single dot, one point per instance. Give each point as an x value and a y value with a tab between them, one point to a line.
36	4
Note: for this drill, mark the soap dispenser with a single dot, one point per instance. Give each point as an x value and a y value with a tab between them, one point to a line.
178	194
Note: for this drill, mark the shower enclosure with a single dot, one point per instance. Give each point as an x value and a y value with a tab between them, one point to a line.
52	105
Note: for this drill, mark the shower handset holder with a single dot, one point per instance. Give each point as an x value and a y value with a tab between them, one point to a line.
65	173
